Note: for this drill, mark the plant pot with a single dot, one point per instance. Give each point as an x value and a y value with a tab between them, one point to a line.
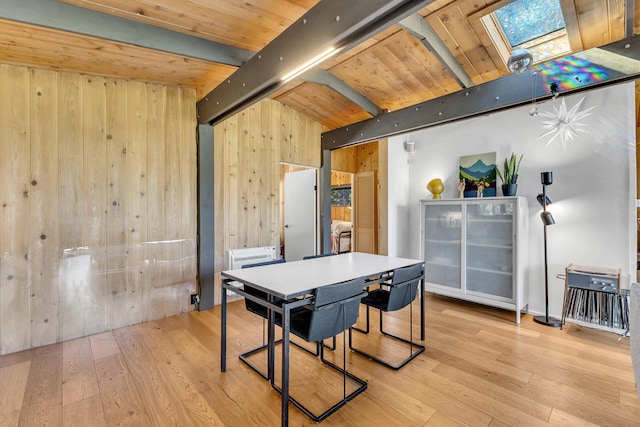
509	189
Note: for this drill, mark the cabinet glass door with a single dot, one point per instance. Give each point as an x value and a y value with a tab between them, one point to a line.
442	244
489	248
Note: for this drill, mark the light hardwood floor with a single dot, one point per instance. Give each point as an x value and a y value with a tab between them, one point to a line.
479	369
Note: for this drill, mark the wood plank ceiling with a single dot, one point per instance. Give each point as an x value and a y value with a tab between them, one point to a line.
393	69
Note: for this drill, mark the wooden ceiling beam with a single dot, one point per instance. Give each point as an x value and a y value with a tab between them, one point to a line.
331	23
65	17
619	61
420	29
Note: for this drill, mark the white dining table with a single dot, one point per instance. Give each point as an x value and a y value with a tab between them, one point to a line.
294	283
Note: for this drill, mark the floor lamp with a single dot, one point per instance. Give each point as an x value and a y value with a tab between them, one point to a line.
547	219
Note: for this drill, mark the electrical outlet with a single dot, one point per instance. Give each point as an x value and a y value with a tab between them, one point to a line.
194	299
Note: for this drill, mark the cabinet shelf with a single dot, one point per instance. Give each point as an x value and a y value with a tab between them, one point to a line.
490	245
490	270
484	259
442	264
486	220
443	242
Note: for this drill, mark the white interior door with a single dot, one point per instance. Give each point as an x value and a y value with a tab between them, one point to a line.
299	214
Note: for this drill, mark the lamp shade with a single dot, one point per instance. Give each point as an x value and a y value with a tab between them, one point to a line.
547	218
436	187
541	199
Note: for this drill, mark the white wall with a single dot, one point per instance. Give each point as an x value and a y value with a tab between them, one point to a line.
398	199
593	188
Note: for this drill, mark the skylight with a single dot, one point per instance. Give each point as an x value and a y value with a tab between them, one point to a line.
525	20
536	25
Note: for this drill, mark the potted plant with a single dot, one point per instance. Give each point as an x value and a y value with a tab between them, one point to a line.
509	175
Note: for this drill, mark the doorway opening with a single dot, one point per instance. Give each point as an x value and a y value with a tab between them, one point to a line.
298	211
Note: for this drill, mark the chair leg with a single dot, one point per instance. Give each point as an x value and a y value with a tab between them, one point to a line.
366	330
315	352
345	397
412	354
244	357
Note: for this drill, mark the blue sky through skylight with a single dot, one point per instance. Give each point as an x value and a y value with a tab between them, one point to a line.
525	20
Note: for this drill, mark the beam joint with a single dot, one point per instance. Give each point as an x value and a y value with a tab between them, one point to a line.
330	24
325	78
610	64
420	29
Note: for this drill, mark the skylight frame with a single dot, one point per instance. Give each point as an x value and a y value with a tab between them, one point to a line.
503	46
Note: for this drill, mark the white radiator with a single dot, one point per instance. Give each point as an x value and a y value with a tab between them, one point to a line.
236	258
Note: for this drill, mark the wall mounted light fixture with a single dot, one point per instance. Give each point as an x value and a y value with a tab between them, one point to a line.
410	149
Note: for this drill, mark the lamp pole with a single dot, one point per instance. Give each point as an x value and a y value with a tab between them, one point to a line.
547	219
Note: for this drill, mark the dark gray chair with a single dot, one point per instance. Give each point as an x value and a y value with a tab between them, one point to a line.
261	311
402	290
253	306
333	345
333	310
319	255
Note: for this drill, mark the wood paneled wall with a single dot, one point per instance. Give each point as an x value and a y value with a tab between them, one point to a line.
248	150
356	159
97	204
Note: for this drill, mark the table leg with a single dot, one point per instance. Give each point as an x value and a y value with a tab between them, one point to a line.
422	313
286	318
271	336
223	332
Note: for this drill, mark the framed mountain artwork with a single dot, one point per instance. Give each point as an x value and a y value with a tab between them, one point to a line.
478	175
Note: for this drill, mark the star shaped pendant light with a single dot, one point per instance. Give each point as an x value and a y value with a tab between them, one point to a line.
564	125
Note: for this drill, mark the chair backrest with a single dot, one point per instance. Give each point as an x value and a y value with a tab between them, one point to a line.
318	256
404	286
253	306
259	264
335	309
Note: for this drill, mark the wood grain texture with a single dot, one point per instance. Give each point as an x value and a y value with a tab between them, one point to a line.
156	196
77	153
11	398
249	148
43	218
391	68
73	277
117	189
191	17
79	380
189	203
14	207
42	404
479	369
41	47
94	220
137	220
